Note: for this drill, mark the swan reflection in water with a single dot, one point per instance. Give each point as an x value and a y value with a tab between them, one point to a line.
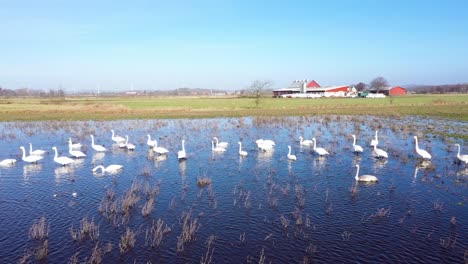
182	168
98	156
62	173
31	169
422	165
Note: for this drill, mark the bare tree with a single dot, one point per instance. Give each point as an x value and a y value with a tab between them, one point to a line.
360	86
258	87
379	83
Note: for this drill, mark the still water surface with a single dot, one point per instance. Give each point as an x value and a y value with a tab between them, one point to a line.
262	207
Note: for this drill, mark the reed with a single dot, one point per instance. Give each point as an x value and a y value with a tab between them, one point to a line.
97	255
207	258
127	241
39	230
203	181
438	205
87	229
284	222
43	250
155	233
148	207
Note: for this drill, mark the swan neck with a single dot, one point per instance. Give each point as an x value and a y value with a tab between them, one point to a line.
354	140
289	152
458	154
24	152
357	173
56	154
315	144
30	148
240	147
416	139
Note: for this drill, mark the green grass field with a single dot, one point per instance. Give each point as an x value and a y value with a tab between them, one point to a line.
109	108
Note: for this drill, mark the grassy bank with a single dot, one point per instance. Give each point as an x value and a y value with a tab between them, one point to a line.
109	108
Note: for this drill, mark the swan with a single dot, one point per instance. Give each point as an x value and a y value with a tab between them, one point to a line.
306	142
380	153
98	148
150	142
241	152
364	178
74	153
290	156
264	146
462	158
421	152
356	148
375	141
159	150
115	138
62	160
129	146
30	158
223	145
217	148
320	151
265	141
76	146
181	154
111	168
7	162
37	152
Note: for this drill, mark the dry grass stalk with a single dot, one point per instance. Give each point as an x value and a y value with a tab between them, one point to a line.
43	250
448	242
96	255
208	257
203	181
438	205
127	241
39	230
155	233
148	207
87	229
284	222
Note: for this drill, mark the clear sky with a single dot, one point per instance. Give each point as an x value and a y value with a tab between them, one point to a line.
216	44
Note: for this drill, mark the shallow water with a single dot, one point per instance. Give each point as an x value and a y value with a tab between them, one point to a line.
259	206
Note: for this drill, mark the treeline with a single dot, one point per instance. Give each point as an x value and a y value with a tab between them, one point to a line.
440	89
30	92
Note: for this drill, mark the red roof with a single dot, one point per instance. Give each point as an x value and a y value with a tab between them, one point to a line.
313	84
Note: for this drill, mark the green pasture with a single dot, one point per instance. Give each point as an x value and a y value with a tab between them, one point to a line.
109	108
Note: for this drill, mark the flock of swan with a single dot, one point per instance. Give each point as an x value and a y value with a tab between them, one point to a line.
264	145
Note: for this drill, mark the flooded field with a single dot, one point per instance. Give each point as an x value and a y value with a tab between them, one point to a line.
222	207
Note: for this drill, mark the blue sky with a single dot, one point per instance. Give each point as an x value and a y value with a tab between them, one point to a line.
80	45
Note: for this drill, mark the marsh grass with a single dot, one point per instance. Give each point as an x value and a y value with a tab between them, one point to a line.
39	230
127	241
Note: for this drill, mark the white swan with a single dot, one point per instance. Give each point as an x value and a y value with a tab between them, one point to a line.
62	160
37	152
380	153
290	156
7	162
356	148
76	146
30	158
115	138
159	150
306	142
111	168
264	146
241	152
320	151
265	142
375	141
223	145
150	142
181	154
217	148
364	178
97	148
129	146
462	158
421	152
74	153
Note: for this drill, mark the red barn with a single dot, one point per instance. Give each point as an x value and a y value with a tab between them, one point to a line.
397	90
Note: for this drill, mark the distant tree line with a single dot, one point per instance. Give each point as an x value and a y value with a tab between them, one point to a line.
22	92
381	82
440	89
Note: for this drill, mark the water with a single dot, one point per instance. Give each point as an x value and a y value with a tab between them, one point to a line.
261	207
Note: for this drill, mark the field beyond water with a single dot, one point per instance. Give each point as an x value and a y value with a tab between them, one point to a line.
113	108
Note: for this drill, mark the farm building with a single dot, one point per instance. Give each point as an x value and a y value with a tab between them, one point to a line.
303	88
391	91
